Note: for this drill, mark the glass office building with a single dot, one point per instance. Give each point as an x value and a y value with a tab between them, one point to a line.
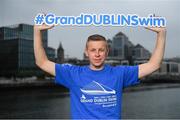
123	50
121	46
16	50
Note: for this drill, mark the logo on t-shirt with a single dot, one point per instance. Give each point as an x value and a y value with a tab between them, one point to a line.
96	88
99	94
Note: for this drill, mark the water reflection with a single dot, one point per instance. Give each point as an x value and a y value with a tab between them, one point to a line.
51	103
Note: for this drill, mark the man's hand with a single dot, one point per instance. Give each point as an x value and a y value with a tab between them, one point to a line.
157	29
42	27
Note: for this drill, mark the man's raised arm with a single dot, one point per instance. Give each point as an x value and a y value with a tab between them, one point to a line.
157	56
40	55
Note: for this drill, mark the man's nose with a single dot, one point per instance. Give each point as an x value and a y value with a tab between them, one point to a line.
97	53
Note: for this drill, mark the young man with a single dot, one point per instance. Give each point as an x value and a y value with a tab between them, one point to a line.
96	89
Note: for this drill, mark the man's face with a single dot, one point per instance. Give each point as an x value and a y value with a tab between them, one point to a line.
97	52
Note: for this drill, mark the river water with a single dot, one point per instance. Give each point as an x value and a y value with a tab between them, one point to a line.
52	103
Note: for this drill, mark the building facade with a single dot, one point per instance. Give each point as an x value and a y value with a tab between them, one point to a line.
17	53
140	53
123	50
60	54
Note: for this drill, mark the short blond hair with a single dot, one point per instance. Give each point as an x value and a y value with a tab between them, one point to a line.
96	37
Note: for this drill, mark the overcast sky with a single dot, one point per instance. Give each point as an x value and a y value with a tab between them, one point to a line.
73	38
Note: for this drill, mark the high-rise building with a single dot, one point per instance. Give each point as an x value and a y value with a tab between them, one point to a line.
60	54
121	46
16	50
140	53
122	49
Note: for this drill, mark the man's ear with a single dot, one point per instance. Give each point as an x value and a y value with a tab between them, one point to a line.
107	52
86	53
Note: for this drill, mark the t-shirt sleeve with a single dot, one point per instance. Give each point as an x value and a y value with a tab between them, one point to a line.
63	74
130	76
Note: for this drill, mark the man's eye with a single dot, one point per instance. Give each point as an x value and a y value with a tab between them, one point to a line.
93	50
102	50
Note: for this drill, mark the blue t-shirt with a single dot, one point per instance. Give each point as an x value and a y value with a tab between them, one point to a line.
96	94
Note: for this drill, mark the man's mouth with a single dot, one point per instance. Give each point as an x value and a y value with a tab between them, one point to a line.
97	60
